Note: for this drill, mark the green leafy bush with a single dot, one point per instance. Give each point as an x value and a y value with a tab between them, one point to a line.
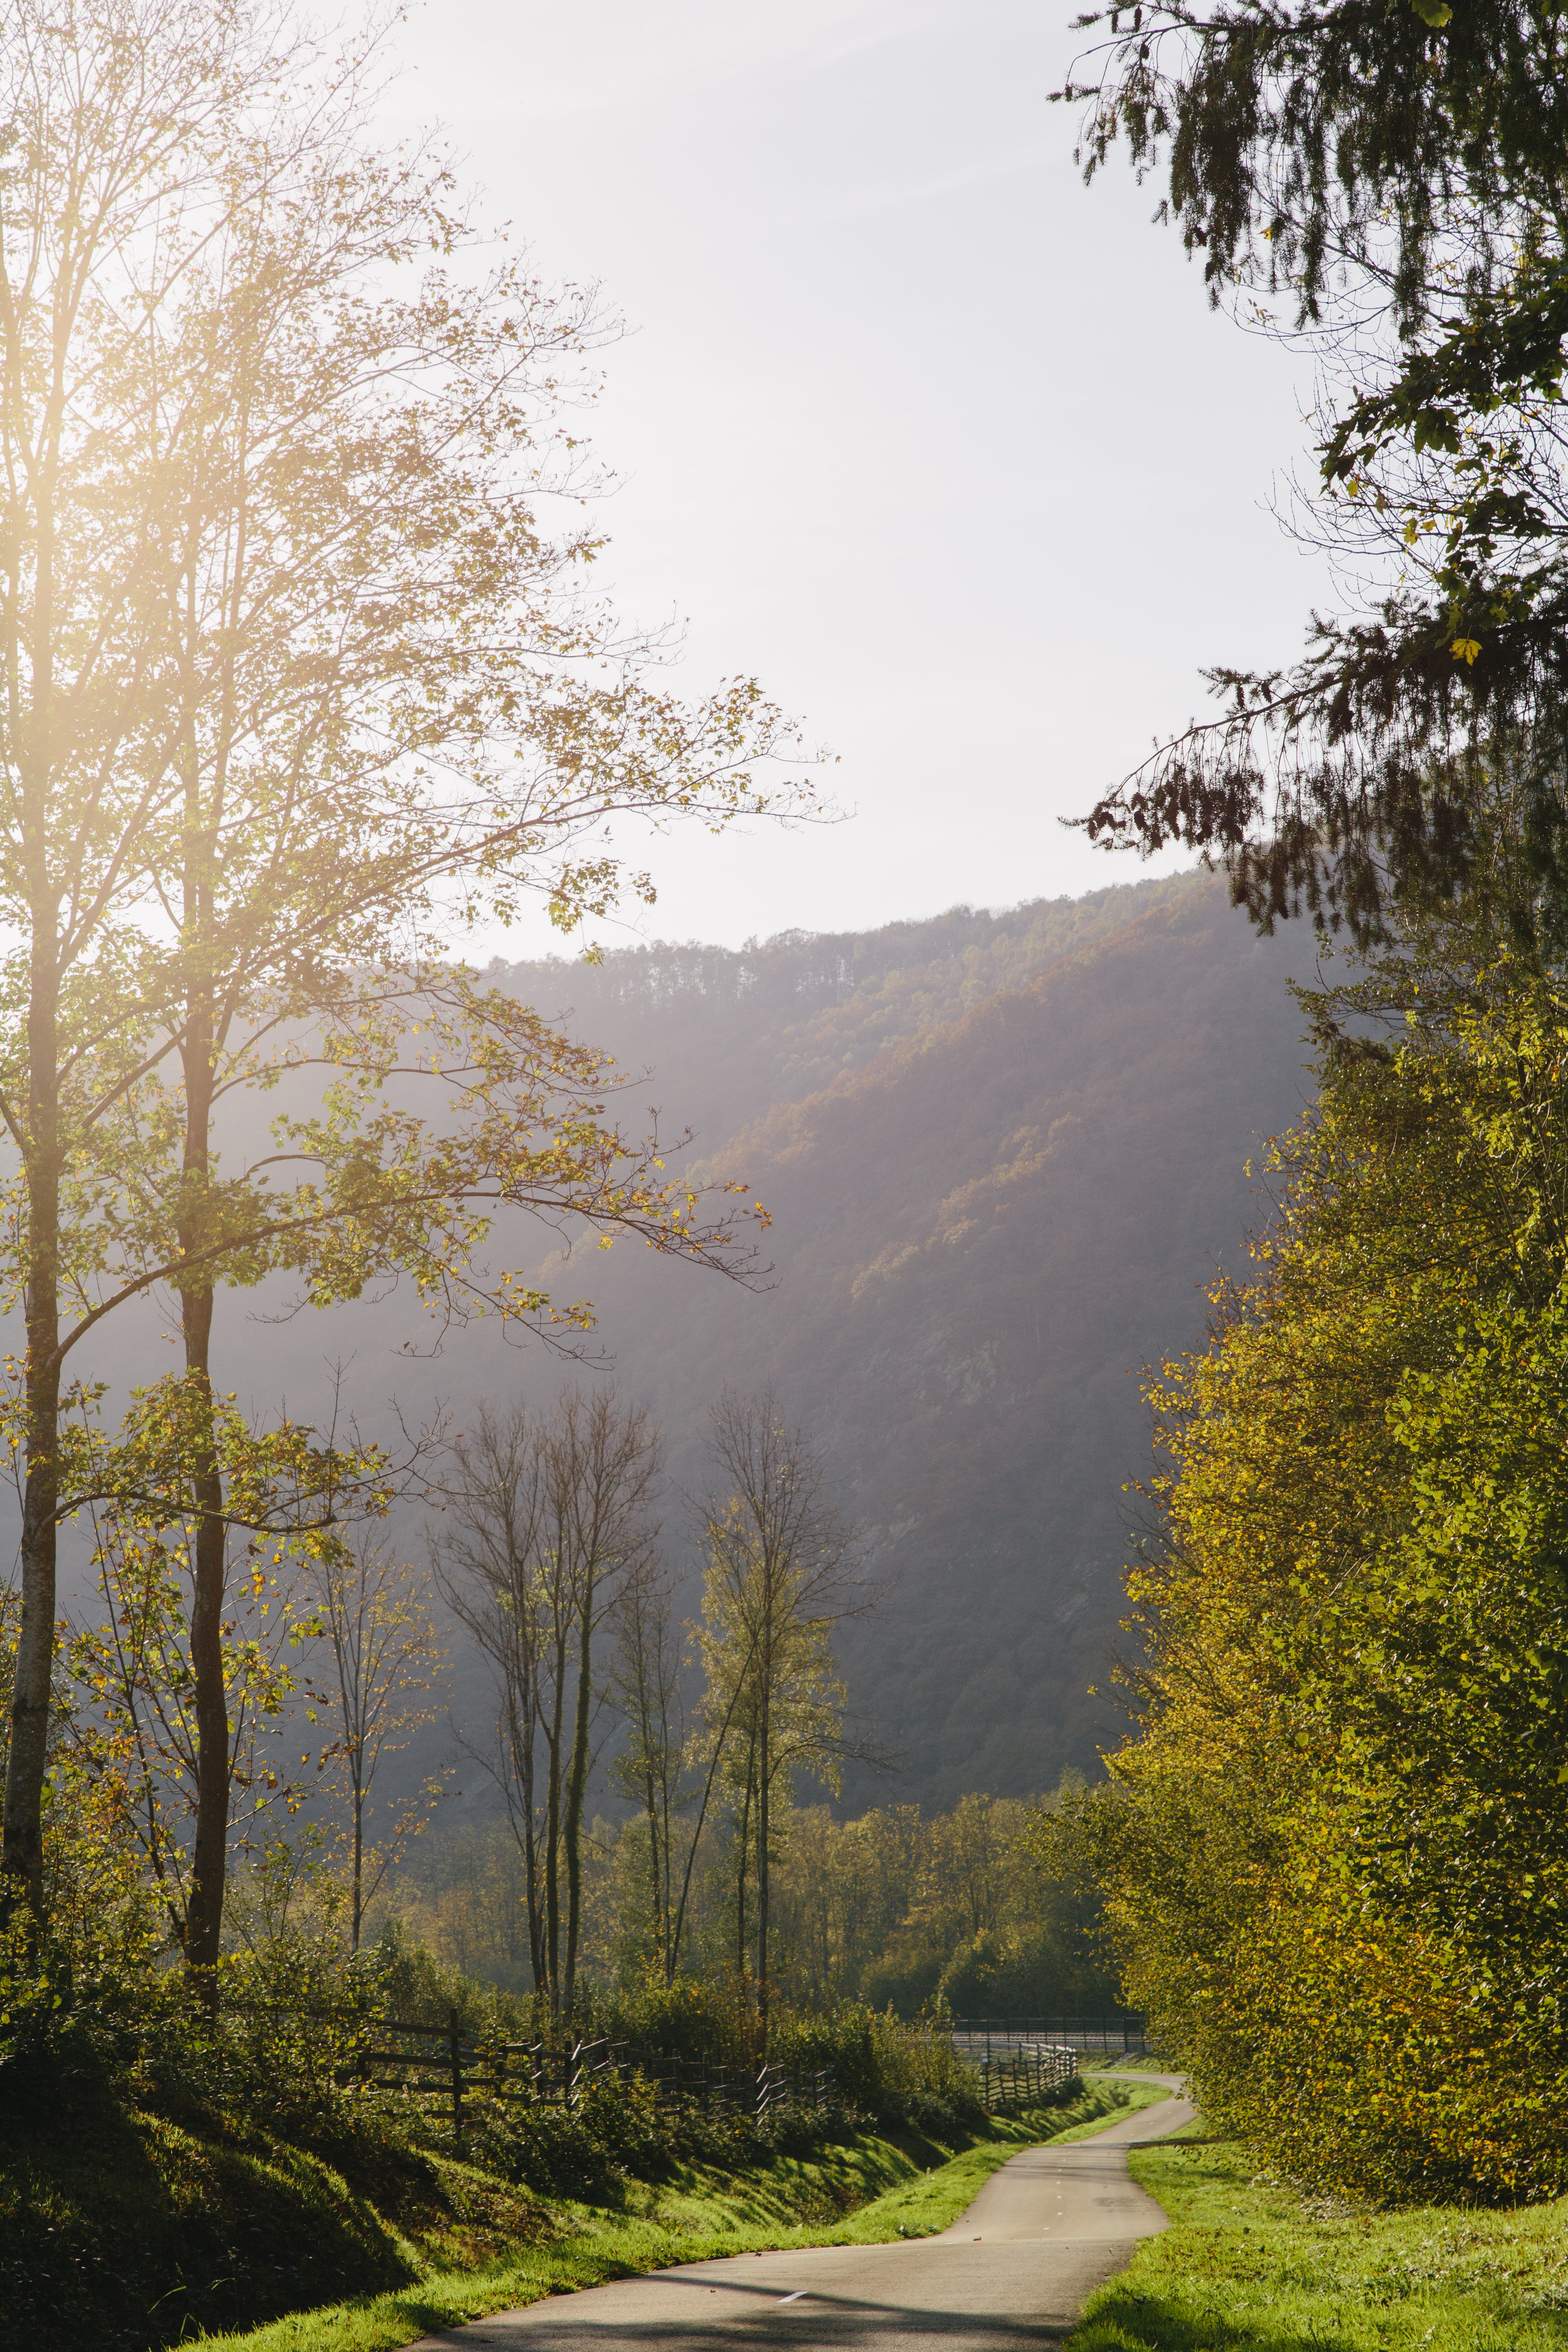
885	2069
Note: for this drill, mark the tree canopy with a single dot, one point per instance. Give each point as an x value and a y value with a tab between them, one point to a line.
1391	183
303	675
1335	1851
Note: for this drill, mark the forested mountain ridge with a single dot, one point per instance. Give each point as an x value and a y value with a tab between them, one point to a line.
1027	1156
1002	1152
726	1033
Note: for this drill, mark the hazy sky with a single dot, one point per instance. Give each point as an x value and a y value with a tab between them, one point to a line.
946	449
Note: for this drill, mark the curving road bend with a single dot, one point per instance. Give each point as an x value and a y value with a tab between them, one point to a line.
1046	2229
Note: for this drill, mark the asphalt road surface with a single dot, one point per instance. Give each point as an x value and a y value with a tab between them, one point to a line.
1013	2270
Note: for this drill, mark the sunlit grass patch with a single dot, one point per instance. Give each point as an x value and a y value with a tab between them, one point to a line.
1249	2266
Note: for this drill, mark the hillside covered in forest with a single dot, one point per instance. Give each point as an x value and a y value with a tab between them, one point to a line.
1003	1154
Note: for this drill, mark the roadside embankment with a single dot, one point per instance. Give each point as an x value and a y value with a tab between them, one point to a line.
867	2192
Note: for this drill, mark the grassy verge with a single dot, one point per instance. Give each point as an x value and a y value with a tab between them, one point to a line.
865	2193
1248	2266
121	2230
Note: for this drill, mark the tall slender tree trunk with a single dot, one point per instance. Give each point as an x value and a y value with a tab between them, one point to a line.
203	1925
740	1880
32	734
665	1894
28	1755
658	1873
667	1938
524	1704
576	1785
199	1052
203	1930
764	1777
357	1772
553	1830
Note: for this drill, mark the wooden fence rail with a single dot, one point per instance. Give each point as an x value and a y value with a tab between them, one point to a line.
445	2068
1025	2076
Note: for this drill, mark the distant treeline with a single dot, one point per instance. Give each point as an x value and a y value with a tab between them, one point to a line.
894	1909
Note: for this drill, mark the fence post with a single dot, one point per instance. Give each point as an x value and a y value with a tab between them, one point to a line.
455	2049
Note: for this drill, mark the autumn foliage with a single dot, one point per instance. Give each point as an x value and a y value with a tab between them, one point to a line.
1335	1851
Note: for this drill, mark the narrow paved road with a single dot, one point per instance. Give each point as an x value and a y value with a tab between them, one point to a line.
1043	2233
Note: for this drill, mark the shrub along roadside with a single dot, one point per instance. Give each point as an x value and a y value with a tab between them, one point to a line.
158	2177
881	2067
884	2190
1251	2265
91	2038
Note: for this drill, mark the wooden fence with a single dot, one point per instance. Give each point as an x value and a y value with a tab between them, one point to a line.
445	2069
1025	2076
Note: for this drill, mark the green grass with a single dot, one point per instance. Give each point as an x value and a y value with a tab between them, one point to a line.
120	2230
1249	2266
864	2194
